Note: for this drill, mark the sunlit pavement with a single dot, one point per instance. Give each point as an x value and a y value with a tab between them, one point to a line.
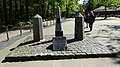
68	29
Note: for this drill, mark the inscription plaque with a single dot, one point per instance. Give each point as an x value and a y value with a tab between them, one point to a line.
59	43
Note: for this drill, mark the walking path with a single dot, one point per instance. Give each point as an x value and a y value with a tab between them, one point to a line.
68	28
107	32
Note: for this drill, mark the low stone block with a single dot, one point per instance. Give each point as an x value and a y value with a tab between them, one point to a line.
59	43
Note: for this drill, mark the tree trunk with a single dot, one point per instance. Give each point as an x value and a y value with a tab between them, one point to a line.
67	10
53	9
27	10
0	13
43	9
21	11
47	14
34	7
16	12
5	12
37	9
10	11
105	13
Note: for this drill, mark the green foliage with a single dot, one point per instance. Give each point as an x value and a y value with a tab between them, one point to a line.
97	3
29	23
109	3
25	23
81	7
2	27
92	4
21	23
13	11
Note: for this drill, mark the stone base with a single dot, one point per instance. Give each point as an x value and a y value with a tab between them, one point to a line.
87	48
59	43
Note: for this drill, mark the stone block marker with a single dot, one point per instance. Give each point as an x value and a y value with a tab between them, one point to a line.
37	28
79	27
59	43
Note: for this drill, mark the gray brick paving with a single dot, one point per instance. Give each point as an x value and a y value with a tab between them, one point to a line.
75	49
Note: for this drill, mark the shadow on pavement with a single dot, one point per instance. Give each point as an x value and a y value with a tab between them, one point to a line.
87	31
117	58
21	44
32	41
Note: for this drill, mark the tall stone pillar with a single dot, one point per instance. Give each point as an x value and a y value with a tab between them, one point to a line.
59	42
58	29
37	28
79	27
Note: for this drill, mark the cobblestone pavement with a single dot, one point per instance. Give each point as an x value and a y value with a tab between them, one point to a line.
43	50
85	62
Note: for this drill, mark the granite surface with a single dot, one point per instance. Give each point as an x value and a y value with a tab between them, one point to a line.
42	50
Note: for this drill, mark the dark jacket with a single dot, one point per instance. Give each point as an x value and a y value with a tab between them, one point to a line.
91	18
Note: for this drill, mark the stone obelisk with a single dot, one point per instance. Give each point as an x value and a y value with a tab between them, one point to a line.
58	29
59	42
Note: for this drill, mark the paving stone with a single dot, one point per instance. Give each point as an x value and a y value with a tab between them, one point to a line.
80	53
85	47
69	53
88	53
54	52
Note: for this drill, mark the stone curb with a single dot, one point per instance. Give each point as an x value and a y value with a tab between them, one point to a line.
49	57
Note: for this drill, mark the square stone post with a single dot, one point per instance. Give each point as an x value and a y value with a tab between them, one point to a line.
79	27
37	28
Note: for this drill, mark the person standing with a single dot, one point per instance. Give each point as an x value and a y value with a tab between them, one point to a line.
91	20
86	18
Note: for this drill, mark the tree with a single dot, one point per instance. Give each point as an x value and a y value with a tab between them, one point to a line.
105	3
10	11
43	9
27	10
71	7
21	11
92	4
16	12
5	12
109	3
13	11
1	12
